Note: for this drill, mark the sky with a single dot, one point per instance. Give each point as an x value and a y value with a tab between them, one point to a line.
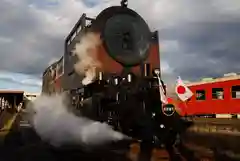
198	38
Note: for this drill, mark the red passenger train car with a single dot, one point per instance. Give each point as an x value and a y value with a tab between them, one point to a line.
218	97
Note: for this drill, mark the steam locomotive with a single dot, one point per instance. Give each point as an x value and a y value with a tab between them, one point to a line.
125	94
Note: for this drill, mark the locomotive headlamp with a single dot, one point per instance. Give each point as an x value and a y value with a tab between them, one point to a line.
156	71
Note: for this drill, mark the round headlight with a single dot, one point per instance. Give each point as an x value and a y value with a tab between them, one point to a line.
157	71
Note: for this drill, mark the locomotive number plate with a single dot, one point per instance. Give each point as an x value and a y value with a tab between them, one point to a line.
168	109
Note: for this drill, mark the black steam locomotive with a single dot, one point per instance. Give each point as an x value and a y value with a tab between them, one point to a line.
125	93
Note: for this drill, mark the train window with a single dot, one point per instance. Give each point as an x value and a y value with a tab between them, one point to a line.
236	92
68	42
217	93
88	23
60	70
73	36
200	95
79	28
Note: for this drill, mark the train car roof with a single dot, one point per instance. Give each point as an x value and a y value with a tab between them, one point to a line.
226	77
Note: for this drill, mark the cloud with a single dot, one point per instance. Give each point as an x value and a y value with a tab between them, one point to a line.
197	38
208	49
16	81
4	40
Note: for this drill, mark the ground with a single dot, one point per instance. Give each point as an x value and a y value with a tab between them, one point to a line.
21	143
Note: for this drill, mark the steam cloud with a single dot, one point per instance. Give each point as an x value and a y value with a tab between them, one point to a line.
86	51
50	115
58	126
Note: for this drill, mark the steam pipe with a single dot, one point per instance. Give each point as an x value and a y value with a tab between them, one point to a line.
116	81
100	75
146	70
129	78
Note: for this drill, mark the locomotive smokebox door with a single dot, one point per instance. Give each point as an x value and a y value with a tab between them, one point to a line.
126	36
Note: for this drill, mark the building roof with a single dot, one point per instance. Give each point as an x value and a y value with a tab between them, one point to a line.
226	77
3	91
31	94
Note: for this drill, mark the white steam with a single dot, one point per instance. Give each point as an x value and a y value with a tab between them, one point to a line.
55	124
170	81
86	51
